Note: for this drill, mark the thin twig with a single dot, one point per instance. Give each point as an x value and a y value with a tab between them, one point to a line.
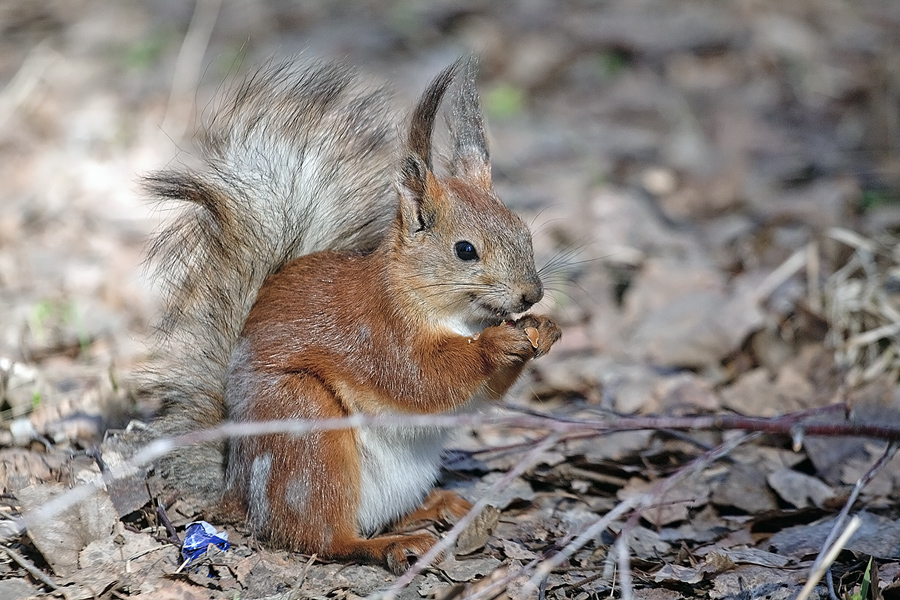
813	271
500	583
659	490
851	500
581	582
182	566
829	558
623	561
26	79
302	579
26	564
583	538
142	553
164	518
791	424
830	581
782	273
188	66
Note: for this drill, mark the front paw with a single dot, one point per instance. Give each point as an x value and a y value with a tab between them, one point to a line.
542	332
506	345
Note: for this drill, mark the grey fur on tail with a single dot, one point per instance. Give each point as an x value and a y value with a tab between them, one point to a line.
296	160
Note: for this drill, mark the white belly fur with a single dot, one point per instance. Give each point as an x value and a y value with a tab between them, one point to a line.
399	467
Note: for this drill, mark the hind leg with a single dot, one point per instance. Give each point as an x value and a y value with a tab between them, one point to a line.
440	506
302	492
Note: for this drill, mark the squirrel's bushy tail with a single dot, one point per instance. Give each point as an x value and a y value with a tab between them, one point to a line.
296	160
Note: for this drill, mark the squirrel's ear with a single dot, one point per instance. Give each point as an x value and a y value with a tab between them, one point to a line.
417	205
421	127
470	152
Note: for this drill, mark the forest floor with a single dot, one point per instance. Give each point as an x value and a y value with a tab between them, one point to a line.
715	186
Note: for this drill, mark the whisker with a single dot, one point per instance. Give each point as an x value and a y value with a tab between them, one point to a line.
582	261
567	294
455	284
557	265
564	256
539	213
541	227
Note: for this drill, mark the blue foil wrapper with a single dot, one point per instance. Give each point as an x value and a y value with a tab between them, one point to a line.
198	537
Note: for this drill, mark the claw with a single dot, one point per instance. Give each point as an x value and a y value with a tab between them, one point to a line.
533	336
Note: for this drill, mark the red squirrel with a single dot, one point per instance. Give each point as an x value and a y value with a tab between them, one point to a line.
324	268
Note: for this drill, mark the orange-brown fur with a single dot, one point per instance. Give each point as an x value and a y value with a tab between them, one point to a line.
341	357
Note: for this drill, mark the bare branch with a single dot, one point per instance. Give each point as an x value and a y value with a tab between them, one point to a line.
795	425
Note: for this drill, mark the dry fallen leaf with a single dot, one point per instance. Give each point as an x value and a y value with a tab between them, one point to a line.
678	574
61	539
877	536
469	569
476	535
17	589
745	487
800	489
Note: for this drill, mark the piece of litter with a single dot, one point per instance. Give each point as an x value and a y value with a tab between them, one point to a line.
198	537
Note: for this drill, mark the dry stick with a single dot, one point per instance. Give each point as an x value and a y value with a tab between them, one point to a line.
623	552
302	579
606	520
854	494
26	79
829	580
782	273
861	483
450	537
623	561
852	239
188	66
819	411
164	518
783	425
25	564
813	270
582	582
525	569
829	558
662	488
791	424
787	425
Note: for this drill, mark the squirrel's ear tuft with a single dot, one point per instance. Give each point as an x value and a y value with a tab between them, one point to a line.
421	127
471	157
417	207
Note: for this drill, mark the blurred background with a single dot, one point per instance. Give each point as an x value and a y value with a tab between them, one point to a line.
714	187
684	164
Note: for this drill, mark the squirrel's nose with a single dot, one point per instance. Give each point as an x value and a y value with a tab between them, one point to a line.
532	294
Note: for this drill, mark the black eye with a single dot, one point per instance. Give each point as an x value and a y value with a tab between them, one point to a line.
466	251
